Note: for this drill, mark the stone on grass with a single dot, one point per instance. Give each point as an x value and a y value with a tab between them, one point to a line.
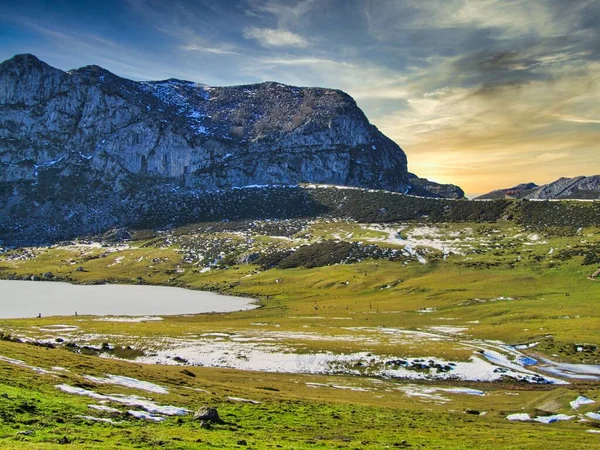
207	413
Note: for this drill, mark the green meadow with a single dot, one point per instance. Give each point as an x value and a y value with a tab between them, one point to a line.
323	287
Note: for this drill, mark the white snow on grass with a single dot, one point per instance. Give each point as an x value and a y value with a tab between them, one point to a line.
58	328
105	408
350	388
117	260
263	352
510	368
418	237
520	417
524	417
132	319
581	400
423	392
432	392
553	418
18	362
593	415
128	382
146	416
129	400
449	329
413	252
460	390
244	400
338	386
98	419
574	371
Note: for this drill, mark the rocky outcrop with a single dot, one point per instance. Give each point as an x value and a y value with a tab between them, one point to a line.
207	413
518	191
422	187
578	188
86	142
583	188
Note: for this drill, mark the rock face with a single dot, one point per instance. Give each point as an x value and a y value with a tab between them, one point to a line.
578	188
584	188
422	187
83	141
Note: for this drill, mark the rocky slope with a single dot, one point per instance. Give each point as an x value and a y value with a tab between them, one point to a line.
518	191
87	143
577	188
584	188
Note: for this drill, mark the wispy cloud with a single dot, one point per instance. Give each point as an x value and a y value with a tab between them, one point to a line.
575	119
285	12
482	93
268	37
200	48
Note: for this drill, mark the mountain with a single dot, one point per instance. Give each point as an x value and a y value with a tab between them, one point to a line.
86	143
583	188
578	188
518	191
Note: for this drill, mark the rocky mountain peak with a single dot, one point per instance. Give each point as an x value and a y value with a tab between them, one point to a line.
62	132
23	60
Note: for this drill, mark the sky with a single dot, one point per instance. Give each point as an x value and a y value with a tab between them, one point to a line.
484	94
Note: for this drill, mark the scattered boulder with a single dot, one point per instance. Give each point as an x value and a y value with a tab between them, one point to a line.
207	413
180	360
206	425
188	373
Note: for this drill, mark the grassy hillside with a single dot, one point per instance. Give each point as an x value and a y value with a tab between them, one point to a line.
371	297
149	208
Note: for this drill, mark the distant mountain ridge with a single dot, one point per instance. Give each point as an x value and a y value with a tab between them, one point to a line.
518	191
577	188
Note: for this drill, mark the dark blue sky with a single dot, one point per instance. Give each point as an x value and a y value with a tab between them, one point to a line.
482	93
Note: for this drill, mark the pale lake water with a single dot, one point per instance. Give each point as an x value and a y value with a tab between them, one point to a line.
30	298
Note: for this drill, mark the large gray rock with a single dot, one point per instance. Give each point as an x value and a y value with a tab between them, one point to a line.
207	413
70	140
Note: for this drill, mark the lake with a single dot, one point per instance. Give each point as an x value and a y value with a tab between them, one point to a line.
30	298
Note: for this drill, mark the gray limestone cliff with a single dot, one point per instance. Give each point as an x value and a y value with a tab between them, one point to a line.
88	139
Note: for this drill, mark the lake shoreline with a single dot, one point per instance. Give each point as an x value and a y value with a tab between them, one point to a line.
205	302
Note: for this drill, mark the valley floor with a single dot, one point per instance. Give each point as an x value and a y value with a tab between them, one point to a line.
419	335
